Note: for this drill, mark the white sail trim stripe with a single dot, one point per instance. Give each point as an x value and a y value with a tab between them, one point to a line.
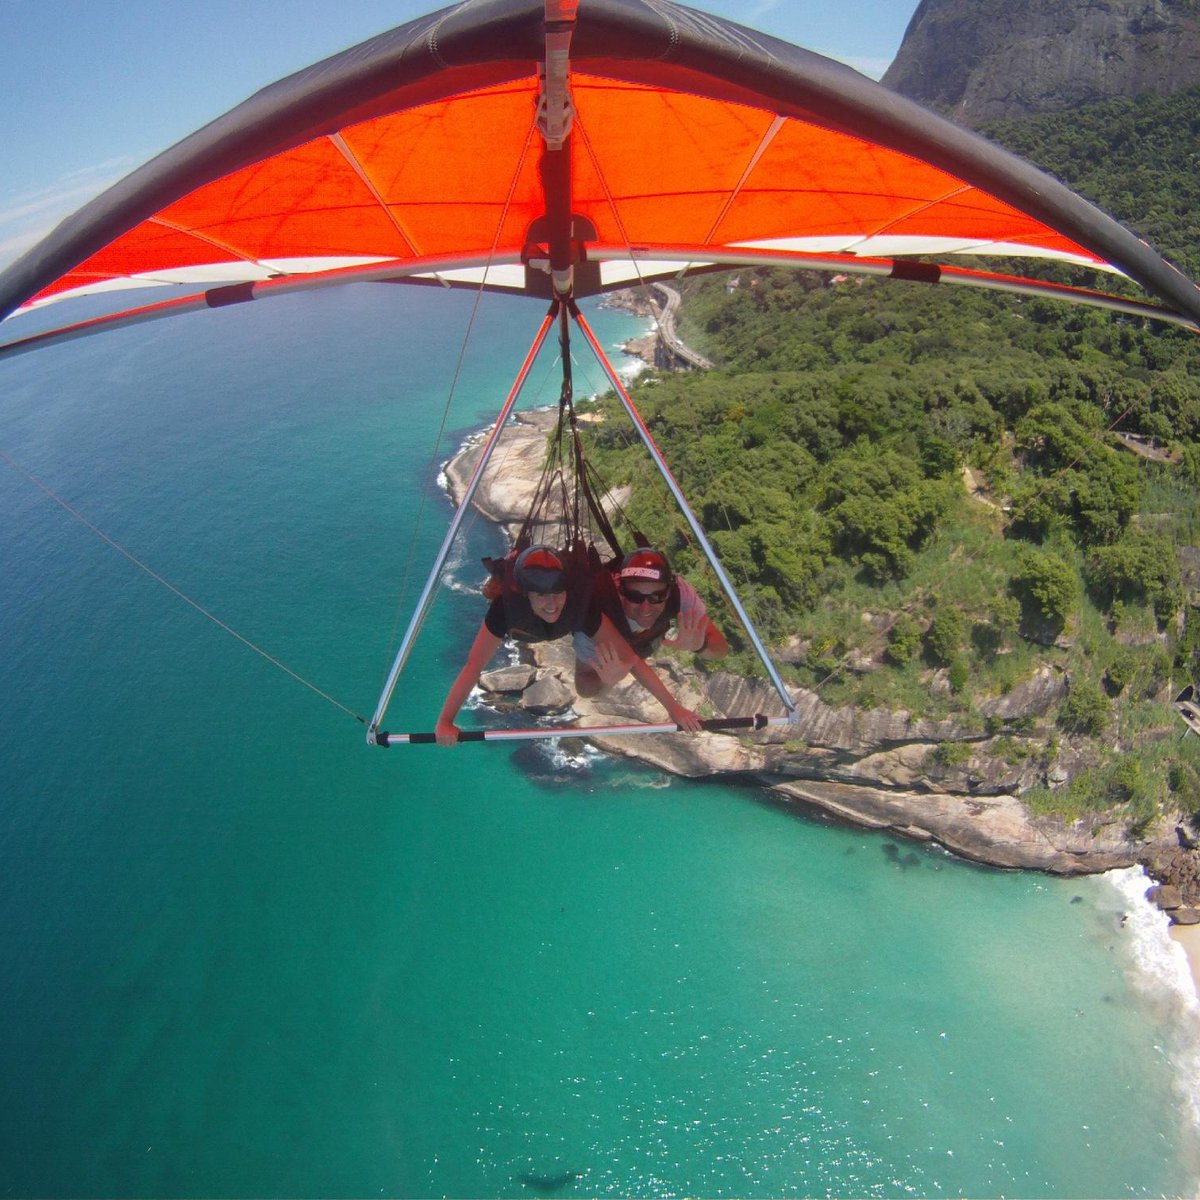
900	245
618	265
239	271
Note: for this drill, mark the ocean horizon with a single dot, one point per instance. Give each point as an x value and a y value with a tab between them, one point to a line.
248	955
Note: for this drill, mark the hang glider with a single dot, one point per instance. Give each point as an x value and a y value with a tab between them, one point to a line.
563	148
567	148
559	507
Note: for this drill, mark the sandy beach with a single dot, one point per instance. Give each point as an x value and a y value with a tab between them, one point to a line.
1188	936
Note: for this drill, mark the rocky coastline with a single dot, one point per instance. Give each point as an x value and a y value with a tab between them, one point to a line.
661	346
879	769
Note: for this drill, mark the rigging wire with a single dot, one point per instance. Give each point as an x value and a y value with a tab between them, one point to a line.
458	369
642	286
680	527
166	583
570	504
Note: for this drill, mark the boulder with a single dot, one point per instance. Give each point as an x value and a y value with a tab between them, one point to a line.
508	679
546	696
1177	869
1166	896
1057	777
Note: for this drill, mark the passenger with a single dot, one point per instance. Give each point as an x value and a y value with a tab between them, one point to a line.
643	598
537	600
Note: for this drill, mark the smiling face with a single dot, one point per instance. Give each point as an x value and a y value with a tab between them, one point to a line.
547	605
643	600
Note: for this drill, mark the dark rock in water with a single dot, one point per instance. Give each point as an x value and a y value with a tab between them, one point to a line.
547	1185
541	765
1166	896
892	853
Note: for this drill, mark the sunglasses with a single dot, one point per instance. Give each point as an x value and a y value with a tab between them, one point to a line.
645	597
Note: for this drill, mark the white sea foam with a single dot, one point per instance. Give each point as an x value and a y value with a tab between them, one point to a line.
1160	971
654	782
1160	961
470	441
459	575
631	368
626	373
579	757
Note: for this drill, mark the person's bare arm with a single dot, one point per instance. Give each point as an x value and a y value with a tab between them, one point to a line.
482	649
683	717
614	660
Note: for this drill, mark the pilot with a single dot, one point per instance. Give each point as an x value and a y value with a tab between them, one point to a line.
536	598
643	598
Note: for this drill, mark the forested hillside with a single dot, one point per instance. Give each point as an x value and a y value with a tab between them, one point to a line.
924	492
1137	159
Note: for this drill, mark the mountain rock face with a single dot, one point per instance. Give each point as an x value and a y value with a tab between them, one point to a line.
986	60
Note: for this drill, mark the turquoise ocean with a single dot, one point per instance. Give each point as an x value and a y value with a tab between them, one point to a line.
244	954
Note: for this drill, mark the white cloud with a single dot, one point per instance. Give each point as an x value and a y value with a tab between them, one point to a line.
25	218
13	246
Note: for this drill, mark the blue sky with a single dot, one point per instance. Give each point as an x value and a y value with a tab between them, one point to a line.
94	88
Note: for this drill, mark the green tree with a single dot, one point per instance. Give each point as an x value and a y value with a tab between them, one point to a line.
1047	584
1139	567
944	637
904	640
1084	709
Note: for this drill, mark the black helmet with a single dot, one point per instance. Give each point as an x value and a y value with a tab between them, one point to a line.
540	569
645	563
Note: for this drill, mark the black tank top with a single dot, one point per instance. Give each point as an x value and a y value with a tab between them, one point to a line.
511	614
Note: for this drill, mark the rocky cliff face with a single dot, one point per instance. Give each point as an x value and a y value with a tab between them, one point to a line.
984	60
883	769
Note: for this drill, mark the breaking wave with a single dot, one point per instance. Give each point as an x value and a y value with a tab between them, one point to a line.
1160	971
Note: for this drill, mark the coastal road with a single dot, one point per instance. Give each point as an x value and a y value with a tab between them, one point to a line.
668	338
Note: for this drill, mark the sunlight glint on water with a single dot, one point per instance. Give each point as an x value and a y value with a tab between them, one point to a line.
247	955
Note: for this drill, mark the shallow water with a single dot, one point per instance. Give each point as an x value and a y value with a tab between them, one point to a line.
247	955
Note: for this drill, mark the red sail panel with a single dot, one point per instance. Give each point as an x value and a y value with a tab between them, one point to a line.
460	175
